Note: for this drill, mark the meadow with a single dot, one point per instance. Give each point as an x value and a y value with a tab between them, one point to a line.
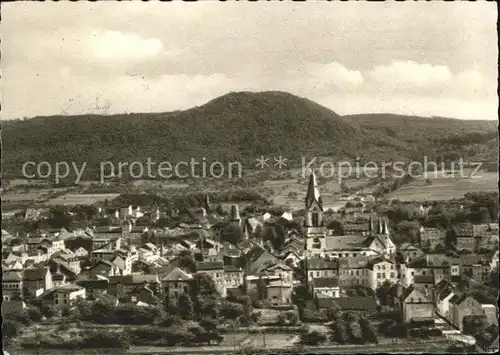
446	188
80	199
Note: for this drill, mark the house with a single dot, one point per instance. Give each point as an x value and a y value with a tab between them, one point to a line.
129	283
210	249
12	285
414	305
318	267
494	262
354	271
410	252
93	287
461	306
36	281
273	281
12	265
425	266
68	259
102	268
465	236
486	235
142	295
381	271
291	258
216	272
326	286
63	296
472	265
81	252
490	310
424	284
176	282
256	257
233	277
443	302
432	237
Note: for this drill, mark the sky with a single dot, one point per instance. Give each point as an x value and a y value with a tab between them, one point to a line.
418	58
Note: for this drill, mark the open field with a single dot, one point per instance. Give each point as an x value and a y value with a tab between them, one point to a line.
31	194
446	188
81	199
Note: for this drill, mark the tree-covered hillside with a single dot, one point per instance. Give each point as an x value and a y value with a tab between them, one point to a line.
237	126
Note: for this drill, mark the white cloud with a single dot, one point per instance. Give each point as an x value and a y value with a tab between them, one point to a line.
409	75
323	79
112	45
426	79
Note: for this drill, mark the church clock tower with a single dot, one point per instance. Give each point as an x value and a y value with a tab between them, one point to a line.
313	223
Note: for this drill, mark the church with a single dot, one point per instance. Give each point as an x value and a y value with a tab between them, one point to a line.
319	242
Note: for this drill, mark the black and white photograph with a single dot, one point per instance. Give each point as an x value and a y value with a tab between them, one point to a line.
249	177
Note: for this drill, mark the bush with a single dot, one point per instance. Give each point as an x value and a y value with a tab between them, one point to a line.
313	316
50	311
312	338
368	333
288	318
11	328
231	310
354	332
34	314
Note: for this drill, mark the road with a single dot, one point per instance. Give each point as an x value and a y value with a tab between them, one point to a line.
429	347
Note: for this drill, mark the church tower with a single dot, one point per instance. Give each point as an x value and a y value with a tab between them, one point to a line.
313	223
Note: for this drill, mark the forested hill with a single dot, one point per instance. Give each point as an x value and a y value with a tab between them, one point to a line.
236	126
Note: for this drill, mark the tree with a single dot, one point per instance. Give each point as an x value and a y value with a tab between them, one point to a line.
312	338
368	332
382	293
288	318
34	314
50	311
185	305
333	311
473	325
65	312
11	328
231	310
232	234
336	227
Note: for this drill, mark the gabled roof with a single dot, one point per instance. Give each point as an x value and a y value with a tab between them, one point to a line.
322	264
205	266
424	279
68	288
135	279
11	276
231	268
177	274
445	293
354	263
325	282
407	247
34	274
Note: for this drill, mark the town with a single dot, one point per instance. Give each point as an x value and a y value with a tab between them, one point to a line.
236	280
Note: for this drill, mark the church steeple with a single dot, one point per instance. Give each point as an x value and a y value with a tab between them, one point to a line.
314	204
313	194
